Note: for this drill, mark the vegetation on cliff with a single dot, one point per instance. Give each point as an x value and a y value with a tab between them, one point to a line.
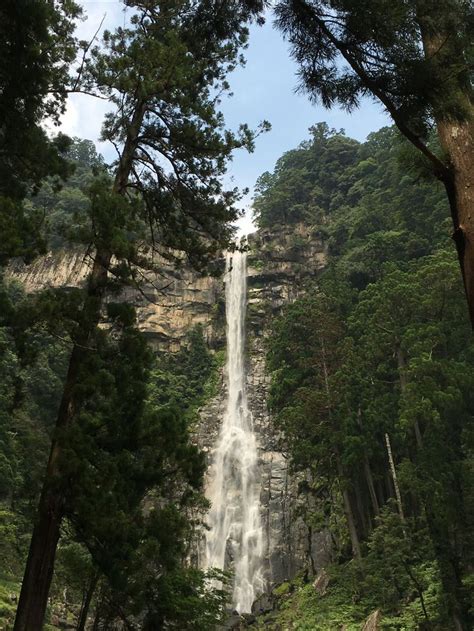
415	59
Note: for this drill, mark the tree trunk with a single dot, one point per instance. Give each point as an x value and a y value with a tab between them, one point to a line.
457	140
398	495
40	563
364	521
351	524
456	137
370	485
349	513
368	473
402	374
81	625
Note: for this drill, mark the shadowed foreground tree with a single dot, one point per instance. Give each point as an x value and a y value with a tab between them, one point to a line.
162	73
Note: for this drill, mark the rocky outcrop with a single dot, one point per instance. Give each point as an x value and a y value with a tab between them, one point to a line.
282	263
170	301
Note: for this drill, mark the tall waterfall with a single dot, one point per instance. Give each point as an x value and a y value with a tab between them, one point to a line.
235	535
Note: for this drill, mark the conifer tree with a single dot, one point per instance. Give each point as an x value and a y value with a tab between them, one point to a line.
163	73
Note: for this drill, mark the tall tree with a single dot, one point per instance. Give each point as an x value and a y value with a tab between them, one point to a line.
415	57
164	73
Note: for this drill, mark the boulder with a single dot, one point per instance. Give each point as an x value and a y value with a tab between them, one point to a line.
264	604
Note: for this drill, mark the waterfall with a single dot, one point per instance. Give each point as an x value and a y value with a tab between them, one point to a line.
235	535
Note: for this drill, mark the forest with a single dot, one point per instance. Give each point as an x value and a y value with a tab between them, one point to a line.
119	388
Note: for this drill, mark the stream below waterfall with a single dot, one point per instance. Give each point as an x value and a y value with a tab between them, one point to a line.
235	536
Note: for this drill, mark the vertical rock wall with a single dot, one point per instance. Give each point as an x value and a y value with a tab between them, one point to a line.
282	262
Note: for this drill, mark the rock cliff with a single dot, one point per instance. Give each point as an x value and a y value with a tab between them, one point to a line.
170	301
281	263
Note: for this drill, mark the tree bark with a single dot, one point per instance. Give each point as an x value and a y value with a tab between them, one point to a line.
456	137
402	375
348	512
368	473
42	552
457	140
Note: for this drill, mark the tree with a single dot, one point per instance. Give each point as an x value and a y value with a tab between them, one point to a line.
132	476
428	363
37	47
306	180
306	352
414	57
389	309
162	73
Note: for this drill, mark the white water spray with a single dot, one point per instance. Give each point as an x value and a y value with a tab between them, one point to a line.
235	536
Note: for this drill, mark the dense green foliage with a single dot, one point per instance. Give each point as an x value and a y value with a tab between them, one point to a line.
379	347
414	57
37	46
164	194
133	498
161	72
358	197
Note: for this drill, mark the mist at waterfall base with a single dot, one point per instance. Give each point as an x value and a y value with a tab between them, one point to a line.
235	536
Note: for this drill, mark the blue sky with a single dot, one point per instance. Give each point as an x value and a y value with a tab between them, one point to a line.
263	89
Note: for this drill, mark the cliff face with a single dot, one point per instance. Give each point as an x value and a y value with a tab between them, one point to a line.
169	303
280	263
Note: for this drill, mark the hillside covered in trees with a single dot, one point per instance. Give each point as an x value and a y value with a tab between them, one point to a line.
372	384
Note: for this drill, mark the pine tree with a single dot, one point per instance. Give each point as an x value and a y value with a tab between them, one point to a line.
162	73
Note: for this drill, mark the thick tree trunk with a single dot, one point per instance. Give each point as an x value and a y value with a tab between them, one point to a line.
456	135
457	140
40	564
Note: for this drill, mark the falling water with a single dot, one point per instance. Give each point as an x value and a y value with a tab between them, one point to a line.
235	536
